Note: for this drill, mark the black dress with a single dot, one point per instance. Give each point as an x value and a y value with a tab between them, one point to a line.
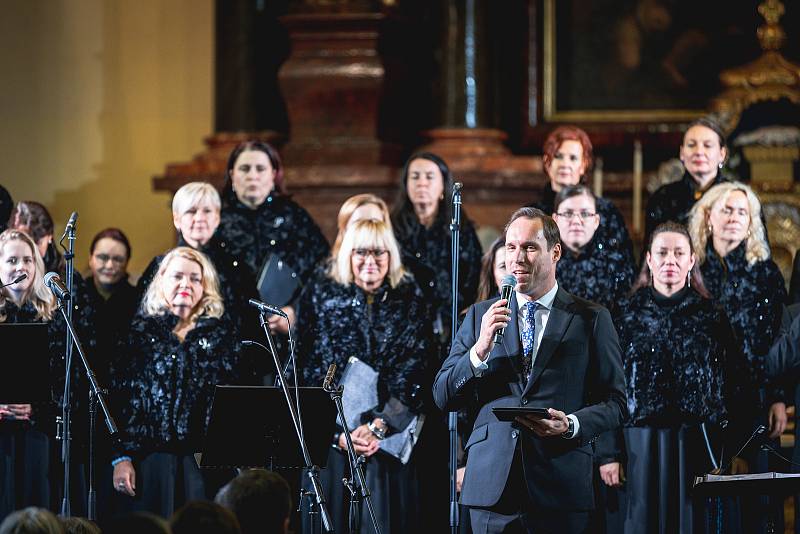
278	226
753	296
162	390
427	254
612	231
679	362
390	331
26	472
113	318
598	272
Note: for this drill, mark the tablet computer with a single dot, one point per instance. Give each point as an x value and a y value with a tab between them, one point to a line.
509	414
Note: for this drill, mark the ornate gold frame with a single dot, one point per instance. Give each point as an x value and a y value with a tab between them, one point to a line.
551	114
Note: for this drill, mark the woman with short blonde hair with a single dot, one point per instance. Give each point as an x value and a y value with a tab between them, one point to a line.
368	235
368	308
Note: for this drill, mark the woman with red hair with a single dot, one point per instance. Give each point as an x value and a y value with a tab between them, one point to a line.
567	157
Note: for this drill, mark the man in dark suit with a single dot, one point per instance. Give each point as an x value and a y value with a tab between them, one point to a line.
783	363
558	352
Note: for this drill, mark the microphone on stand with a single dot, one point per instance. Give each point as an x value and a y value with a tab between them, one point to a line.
268	308
326	384
507	285
53	281
71	222
17	280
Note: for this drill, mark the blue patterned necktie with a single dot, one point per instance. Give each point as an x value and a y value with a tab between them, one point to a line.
528	337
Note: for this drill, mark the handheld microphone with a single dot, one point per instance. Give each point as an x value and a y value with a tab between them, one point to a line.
507	285
268	308
19	279
326	384
457	187
53	281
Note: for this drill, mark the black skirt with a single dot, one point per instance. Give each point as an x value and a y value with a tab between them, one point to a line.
164	483
24	468
660	471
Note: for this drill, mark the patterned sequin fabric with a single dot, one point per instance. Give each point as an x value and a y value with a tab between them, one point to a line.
598	272
427	254
162	388
612	232
753	298
678	354
277	226
390	330
673	201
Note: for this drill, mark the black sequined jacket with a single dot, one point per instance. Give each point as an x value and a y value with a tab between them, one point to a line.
679	358
427	255
598	273
236	281
278	226
673	202
162	388
612	232
753	297
389	330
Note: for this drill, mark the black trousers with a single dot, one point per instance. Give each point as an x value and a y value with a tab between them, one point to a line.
516	512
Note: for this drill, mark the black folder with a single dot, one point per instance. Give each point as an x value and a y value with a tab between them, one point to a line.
278	283
27	345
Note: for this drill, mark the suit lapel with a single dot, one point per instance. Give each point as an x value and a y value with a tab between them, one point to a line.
557	324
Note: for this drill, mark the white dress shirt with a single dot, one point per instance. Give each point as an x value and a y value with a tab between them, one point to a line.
540	317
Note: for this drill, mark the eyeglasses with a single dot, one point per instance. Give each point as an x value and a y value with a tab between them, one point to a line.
572	214
103	258
377	253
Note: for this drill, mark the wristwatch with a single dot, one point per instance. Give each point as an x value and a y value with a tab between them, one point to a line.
570	429
380	432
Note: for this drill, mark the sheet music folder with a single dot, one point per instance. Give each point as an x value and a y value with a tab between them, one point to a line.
771	483
277	282
28	345
250	426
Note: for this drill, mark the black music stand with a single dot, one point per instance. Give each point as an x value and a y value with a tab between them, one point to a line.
771	483
28	344
251	427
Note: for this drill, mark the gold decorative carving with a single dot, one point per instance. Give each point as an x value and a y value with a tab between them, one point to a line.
770	77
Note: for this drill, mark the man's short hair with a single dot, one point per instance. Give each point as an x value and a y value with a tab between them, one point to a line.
551	233
260	499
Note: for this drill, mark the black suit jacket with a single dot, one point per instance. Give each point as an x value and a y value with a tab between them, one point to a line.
578	369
